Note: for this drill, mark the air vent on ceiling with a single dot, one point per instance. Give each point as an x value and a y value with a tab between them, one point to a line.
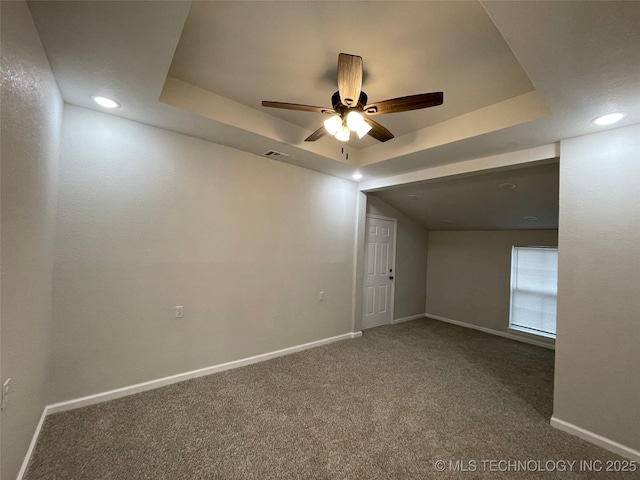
275	155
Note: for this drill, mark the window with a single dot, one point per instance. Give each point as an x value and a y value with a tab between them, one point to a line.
534	290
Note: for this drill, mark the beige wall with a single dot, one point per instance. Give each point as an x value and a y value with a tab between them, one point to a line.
151	219
31	118
597	385
411	260
469	274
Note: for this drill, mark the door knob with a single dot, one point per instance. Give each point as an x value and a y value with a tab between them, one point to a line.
390	277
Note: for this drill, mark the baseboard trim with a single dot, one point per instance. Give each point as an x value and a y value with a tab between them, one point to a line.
161	382
510	336
596	439
407	319
32	445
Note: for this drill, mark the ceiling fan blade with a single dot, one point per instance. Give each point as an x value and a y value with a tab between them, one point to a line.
349	78
296	106
378	131
321	132
404	104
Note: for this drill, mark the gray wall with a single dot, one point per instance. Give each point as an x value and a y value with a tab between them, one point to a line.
411	260
597	386
468	275
31	118
151	219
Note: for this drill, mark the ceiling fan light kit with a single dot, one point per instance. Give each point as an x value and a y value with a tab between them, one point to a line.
348	114
342	128
333	124
356	123
343	133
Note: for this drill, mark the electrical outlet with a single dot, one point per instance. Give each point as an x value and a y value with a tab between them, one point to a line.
179	311
5	395
320	296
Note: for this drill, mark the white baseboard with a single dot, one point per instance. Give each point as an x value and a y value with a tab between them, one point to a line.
407	319
510	336
161	382
591	437
596	439
32	445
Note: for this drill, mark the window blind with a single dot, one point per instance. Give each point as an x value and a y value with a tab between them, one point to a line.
534	289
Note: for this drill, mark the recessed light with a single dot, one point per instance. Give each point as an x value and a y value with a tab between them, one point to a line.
447	221
531	218
609	118
357	176
507	186
105	102
413	196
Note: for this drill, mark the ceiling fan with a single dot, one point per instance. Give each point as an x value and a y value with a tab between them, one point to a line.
350	103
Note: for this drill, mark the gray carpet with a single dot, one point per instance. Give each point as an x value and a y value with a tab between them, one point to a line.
384	406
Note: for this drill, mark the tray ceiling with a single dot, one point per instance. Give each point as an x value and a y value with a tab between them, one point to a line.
288	51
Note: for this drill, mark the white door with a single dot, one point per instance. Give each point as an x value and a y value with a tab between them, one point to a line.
379	251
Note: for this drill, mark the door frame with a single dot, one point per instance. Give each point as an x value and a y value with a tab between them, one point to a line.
392	300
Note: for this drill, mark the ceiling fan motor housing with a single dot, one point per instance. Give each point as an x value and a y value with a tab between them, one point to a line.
340	108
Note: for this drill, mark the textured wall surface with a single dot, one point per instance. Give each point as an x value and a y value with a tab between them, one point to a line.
31	119
411	260
151	219
469	275
597	386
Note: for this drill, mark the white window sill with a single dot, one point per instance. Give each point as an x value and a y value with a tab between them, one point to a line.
537	333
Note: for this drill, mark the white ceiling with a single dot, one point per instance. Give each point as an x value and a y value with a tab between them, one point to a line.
277	51
516	75
478	202
583	59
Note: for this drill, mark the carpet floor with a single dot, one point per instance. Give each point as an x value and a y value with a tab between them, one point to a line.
387	405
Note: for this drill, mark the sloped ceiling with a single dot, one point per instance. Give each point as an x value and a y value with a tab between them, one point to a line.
521	198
